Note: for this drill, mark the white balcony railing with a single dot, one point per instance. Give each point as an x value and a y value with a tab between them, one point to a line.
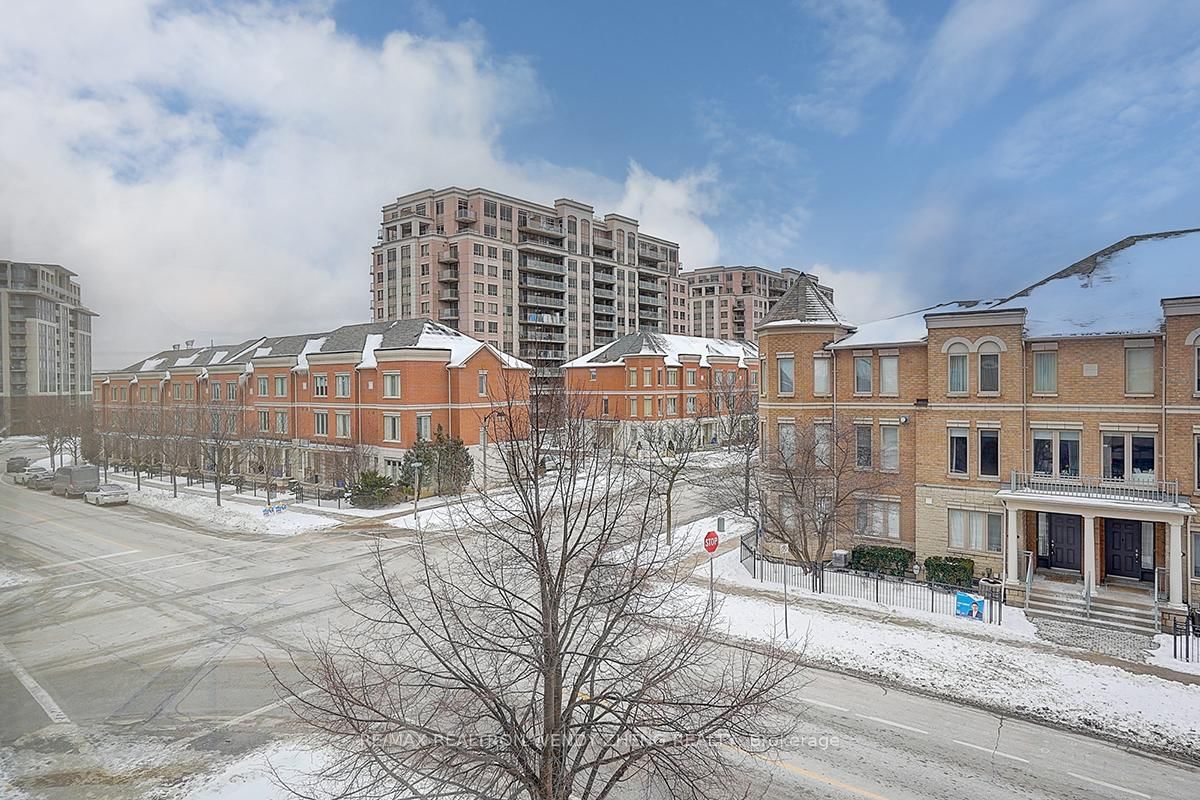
1145	490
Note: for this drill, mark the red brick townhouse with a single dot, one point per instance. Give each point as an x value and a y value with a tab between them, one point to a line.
646	378
1057	428
306	406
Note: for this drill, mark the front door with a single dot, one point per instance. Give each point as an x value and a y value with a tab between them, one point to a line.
1123	548
1065	533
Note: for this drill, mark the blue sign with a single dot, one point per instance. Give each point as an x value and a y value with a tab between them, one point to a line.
968	605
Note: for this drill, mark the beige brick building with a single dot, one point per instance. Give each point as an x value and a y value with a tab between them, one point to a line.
1058	428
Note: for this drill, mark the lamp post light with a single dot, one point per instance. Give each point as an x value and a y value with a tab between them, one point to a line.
416	465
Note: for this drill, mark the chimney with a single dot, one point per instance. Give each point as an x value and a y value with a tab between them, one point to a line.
189	343
174	347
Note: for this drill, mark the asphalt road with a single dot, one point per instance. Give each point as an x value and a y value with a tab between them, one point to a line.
136	640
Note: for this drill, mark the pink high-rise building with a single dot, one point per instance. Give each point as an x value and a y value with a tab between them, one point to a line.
727	302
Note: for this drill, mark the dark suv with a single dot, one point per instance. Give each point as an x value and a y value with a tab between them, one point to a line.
16	464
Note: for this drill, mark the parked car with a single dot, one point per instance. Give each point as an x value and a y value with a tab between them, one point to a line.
27	474
107	494
74	481
16	464
40	482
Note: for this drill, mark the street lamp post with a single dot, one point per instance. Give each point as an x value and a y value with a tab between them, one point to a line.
416	465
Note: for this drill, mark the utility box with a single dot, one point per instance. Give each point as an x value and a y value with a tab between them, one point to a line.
841	559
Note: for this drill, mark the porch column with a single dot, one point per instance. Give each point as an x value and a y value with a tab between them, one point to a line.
1012	562
1089	550
1175	564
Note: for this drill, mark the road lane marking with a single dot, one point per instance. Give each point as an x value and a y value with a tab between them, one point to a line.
39	694
93	558
807	773
1112	786
990	751
810	701
883	721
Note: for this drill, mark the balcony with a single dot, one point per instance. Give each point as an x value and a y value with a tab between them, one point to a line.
651	253
603	243
448	294
603	277
418	212
465	216
448	313
542	355
1136	490
447	275
651	300
604	325
649	286
608	294
543	319
528	241
542	336
448	257
541	265
541	225
545	301
541	283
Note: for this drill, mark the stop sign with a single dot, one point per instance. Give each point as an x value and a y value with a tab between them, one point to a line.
711	541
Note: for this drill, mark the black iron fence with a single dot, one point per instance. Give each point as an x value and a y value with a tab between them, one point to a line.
1185	637
982	601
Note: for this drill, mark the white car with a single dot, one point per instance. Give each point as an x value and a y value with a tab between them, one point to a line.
28	474
107	494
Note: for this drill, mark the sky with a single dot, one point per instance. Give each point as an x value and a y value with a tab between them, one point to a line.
215	170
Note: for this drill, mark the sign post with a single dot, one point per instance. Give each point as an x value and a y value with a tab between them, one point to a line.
711	540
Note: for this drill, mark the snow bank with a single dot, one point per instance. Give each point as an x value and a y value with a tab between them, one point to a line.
231	515
1162	656
251	777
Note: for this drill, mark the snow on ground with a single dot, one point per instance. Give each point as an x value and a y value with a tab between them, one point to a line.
693	533
10	579
1163	656
251	777
999	673
230	515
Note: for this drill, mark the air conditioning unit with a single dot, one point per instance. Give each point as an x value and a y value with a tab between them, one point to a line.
841	559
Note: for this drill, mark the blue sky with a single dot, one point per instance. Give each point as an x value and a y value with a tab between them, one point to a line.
907	152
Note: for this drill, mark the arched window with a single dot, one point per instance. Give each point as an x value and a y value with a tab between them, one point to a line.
1193	341
956	362
989	368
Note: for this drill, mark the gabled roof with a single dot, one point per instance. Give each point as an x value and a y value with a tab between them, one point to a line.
672	347
904	328
362	339
806	302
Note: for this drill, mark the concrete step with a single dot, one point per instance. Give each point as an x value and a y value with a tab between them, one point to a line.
1079	604
1095	621
1097	614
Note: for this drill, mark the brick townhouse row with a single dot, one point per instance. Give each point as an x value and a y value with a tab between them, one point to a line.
1057	429
306	406
644	383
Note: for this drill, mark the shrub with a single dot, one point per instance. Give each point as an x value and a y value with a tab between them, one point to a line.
371	490
949	570
884	560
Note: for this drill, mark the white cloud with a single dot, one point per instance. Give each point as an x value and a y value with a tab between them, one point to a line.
865	48
217	172
864	296
972	57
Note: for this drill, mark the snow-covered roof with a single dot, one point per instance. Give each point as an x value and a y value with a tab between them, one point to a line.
806	302
905	328
1118	290
672	347
371	343
313	345
436	336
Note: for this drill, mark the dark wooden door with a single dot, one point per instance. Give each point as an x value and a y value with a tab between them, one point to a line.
1123	547
1065	533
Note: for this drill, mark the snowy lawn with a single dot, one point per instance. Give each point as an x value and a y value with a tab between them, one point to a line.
230	515
1163	656
252	777
1002	673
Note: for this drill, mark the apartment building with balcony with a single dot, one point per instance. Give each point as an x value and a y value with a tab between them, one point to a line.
728	302
312	406
645	380
45	340
1051	436
545	283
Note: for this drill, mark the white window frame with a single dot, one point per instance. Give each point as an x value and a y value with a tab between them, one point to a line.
861	389
877	518
264	385
958	352
281	422
953	433
390	378
264	421
320	385
1128	437
822	375
967	535
424	419
886	430
215	388
1055	438
339	380
889	372
1142	347
691	377
786	440
785	364
979	433
691	404
990	351
859	429
392	428
281	386
823	443
1051	355
481	382
320	423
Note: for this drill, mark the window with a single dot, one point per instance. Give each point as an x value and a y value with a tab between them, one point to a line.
1196	387
342	421
976	530
1128	456
280	386
647	407
1196	555
321	423
175	390
989	368
1056	453
1045	372
863	369
424	431
1196	464
958	451
787	441
889	375
889	448
231	425
691	377
672	405
957	365
264	421
391	427
633	377
863	457
691	404
341	385
786	367
281	420
822	441
989	454
878	518
481	382
320	385
632	406
391	384
672	376
821	375
189	391
263	386
604	406
1139	366
216	391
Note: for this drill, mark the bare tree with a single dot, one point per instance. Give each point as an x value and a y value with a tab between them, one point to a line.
178	441
51	418
550	648
218	430
734	479
671	448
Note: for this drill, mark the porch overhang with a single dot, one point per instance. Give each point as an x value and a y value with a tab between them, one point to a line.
1095	506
